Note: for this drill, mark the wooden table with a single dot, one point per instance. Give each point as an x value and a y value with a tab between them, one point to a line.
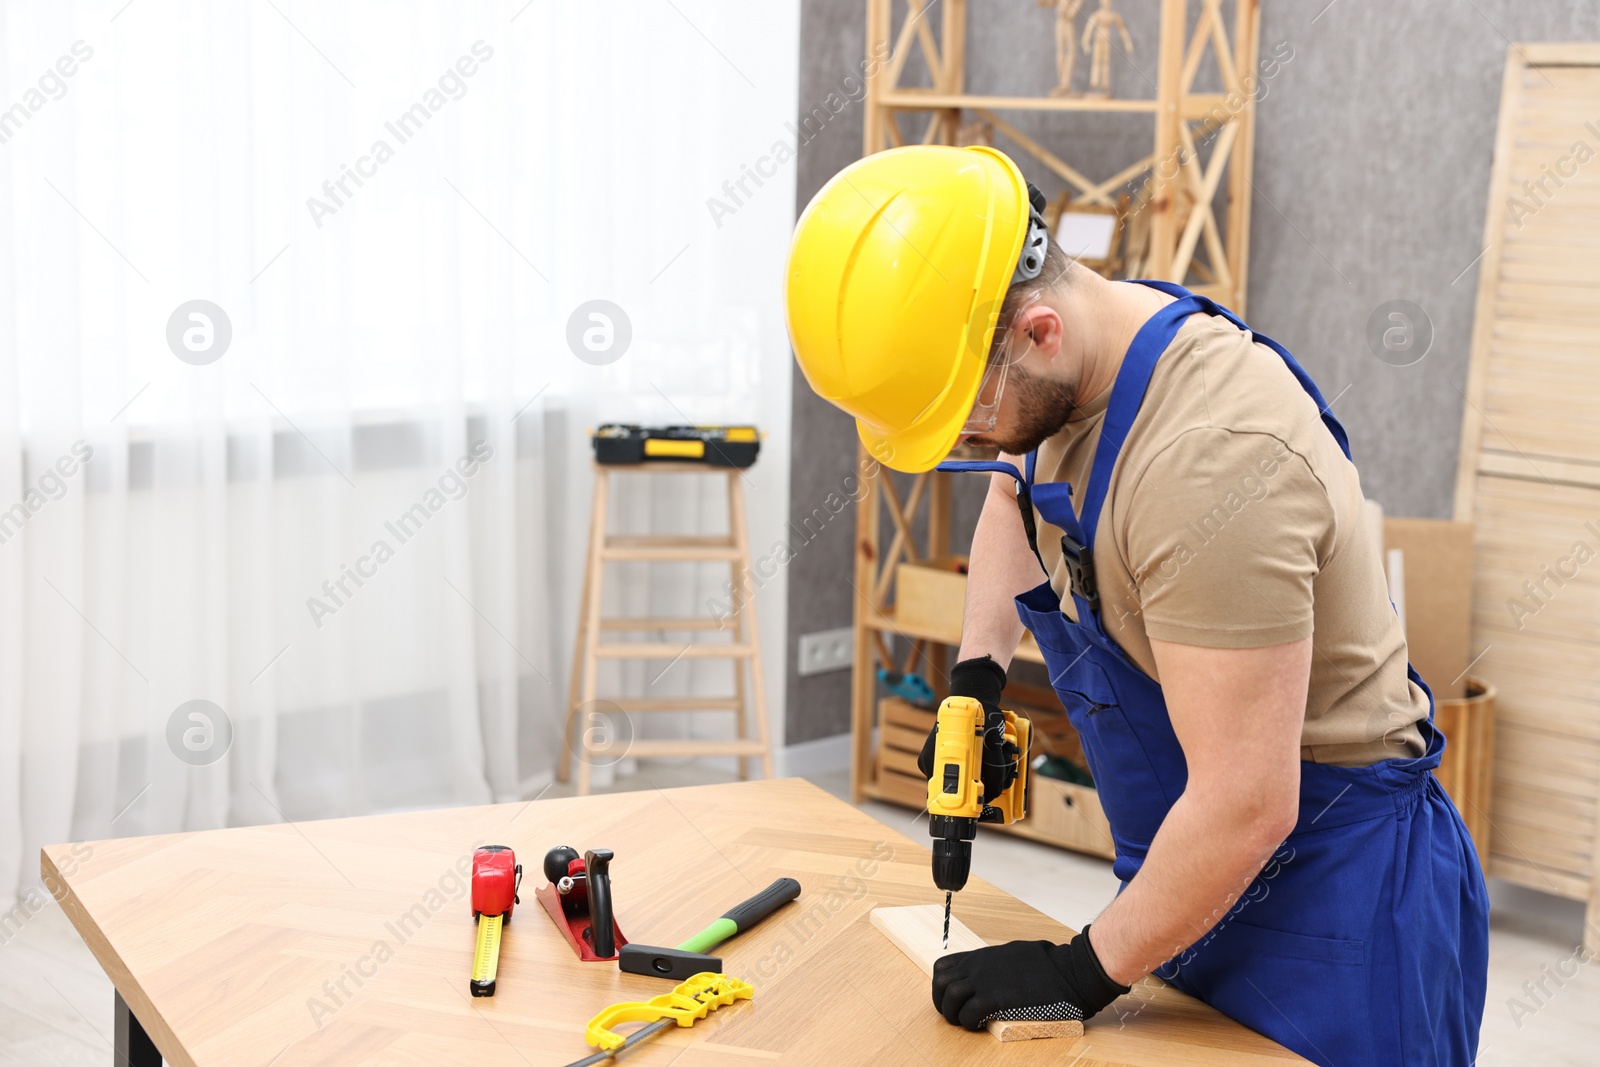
349	941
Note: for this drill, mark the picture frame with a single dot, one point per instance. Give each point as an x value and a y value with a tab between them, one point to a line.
1089	233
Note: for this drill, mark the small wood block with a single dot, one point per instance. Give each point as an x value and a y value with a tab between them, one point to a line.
918	931
1032	1030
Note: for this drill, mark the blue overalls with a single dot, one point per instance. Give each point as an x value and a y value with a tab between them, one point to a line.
1365	939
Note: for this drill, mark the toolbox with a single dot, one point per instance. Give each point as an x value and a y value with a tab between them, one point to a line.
715	446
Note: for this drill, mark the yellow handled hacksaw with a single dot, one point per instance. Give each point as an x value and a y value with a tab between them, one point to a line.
690	1000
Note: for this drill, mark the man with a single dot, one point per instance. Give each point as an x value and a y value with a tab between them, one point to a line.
1212	614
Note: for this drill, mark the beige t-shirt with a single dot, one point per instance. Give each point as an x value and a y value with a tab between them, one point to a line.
1233	520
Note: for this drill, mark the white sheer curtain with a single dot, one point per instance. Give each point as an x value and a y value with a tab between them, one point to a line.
396	208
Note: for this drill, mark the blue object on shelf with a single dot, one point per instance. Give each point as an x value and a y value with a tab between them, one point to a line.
911	687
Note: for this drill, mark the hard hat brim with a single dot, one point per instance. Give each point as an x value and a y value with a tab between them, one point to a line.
913	452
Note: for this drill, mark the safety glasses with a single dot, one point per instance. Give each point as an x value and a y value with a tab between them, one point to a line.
986	407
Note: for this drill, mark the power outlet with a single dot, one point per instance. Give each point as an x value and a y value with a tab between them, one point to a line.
827	650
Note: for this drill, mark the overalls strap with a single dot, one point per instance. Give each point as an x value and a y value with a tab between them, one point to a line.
1127	394
1024	493
1053	499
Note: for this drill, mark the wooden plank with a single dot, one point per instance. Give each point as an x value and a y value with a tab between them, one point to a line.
1438	598
590	638
873	133
892	711
1545	848
748	630
886	621
1529	469
929	100
1561	53
910	792
918	931
1488	278
953	37
901	762
656	650
898	737
937	657
1556	756
641	622
863	675
1164	181
1514	868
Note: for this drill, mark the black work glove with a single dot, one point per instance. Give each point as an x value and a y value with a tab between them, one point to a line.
1022	980
983	680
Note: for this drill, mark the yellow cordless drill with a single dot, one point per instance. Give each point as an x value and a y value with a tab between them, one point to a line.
955	790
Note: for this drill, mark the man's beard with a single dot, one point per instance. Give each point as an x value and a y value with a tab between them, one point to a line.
1044	406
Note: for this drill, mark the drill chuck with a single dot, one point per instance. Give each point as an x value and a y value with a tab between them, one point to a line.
952	850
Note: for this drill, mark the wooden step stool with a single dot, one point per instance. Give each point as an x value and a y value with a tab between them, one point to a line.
734	547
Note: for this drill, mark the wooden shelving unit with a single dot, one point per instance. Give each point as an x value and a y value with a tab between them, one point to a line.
1182	189
1184	183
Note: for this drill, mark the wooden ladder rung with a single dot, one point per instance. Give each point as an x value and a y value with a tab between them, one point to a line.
647	749
676	703
672	553
651	623
653	650
631	541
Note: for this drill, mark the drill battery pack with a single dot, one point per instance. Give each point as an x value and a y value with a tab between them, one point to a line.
715	446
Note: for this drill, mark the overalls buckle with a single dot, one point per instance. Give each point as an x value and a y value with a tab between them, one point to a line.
1079	560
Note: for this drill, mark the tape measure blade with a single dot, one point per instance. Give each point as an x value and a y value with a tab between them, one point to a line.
486	957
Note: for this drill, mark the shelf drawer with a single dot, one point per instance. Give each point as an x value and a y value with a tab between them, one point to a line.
1068	815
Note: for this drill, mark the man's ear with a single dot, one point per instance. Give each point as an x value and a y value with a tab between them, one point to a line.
1043	327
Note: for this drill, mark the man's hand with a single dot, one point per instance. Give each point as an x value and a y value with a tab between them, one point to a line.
1022	980
983	680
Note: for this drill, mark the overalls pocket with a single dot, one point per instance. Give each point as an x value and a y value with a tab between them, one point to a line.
1322	982
1116	755
1083	687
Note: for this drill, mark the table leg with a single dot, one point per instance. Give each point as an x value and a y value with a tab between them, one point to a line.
133	1046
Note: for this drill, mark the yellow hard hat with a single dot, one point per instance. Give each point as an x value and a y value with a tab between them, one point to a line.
895	278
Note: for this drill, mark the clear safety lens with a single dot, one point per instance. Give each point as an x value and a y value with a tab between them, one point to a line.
986	408
1013	345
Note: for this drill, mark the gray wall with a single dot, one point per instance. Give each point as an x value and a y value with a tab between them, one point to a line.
1372	155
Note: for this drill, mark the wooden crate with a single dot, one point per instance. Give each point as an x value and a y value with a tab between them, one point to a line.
902	727
1059	813
1067	815
931	593
1467	771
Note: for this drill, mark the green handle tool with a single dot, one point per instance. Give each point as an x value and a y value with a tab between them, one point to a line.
690	958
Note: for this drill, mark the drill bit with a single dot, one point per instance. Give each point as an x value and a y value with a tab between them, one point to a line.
947	919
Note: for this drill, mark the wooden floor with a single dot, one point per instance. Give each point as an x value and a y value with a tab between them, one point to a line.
55	1004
